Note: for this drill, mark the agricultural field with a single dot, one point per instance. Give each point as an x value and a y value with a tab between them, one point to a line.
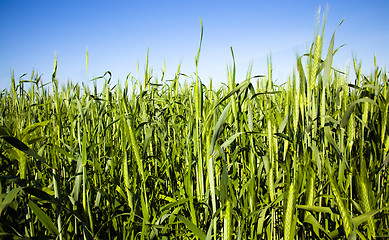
172	159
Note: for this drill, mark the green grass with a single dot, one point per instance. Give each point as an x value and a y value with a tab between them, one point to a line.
168	159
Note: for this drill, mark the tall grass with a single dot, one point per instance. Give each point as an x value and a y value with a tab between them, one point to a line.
168	159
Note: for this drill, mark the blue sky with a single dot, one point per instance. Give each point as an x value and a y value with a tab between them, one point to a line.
118	34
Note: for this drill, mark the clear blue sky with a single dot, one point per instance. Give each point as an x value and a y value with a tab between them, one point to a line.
118	33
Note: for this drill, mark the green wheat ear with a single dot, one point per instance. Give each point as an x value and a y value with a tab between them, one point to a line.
87	62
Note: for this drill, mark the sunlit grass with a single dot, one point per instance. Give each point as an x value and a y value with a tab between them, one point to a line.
168	159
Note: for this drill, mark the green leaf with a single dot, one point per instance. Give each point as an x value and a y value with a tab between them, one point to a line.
262	218
64	152
43	218
209	232
315	208
313	221
283	123
4	131
265	93
244	84
176	203
9	198
284	136
328	61
78	180
84	156
384	164
331	140
16	143
224	178
200	234
34	127
350	110
41	194
366	216
201	40
120	191
231	139
250	118
218	127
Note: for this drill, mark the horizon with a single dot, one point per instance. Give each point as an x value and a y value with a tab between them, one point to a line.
118	36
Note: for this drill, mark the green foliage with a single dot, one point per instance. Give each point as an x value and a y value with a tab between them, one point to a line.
164	159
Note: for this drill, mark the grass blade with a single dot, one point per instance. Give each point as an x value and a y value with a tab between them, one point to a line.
43	218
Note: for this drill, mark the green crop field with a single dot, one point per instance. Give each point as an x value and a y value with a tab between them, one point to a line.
172	159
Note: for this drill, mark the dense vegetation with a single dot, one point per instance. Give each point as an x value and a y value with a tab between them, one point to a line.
164	159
